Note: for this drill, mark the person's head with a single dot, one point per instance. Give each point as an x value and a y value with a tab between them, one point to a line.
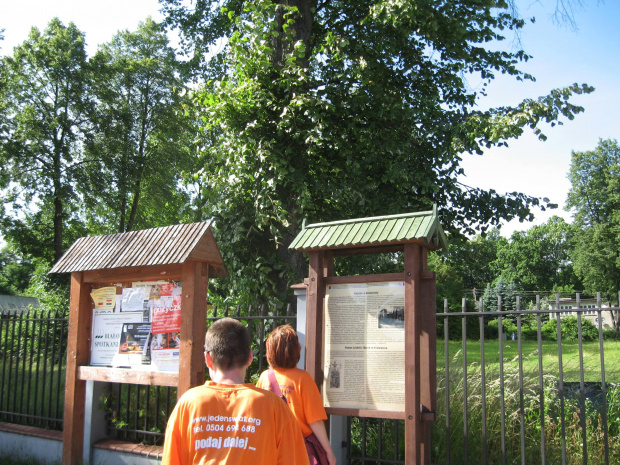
283	349
228	343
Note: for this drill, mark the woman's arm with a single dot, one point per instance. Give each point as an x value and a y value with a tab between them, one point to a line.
318	428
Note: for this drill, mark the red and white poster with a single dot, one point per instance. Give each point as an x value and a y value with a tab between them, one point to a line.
166	328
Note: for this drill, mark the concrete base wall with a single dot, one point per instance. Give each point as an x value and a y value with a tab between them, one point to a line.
28	444
112	457
44	451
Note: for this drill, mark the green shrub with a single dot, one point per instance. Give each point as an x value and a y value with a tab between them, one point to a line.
508	327
611	335
569	328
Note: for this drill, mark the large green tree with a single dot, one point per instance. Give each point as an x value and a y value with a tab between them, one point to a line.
594	198
538	260
467	267
142	134
44	102
15	272
331	110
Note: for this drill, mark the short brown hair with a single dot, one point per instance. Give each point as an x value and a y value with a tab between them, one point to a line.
228	342
283	348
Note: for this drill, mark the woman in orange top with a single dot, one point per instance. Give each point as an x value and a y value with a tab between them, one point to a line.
298	388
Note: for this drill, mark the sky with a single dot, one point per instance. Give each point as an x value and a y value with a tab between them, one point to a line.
561	56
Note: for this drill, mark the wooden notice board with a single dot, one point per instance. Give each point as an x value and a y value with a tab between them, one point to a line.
367	330
185	254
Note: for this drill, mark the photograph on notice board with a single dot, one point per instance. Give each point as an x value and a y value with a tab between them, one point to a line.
133	347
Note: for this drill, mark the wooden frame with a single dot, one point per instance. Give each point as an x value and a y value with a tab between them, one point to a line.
194	275
420	337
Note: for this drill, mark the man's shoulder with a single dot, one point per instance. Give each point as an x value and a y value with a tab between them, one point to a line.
257	395
265	394
192	393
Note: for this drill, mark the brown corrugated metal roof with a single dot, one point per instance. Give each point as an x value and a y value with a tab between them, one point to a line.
379	230
167	245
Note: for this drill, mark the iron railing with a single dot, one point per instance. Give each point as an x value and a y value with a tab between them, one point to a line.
530	400
32	371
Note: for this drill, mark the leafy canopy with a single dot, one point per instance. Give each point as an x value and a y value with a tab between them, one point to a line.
349	109
539	259
43	107
594	197
142	137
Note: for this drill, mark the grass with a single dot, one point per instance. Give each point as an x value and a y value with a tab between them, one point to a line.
33	391
550	358
569	428
518	439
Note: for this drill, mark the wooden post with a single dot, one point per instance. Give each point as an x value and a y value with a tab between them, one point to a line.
314	317
428	361
195	278
413	424
328	263
78	354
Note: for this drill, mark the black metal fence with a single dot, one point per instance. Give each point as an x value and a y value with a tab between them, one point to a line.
550	396
32	371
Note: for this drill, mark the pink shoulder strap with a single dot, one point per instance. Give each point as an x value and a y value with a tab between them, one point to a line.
273	383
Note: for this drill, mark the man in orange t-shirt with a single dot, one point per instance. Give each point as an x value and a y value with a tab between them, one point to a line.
226	421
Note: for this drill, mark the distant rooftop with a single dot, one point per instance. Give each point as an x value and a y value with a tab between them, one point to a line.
13	303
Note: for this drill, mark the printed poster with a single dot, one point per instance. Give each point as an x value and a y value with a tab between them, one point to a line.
133	347
166	329
364	361
107	329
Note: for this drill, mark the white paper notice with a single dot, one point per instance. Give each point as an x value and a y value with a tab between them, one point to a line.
364	361
134	298
107	329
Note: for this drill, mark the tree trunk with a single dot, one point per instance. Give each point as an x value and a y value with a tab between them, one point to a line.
121	223
302	28
58	250
58	202
134	203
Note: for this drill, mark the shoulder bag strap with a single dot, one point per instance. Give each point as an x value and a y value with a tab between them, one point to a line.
273	383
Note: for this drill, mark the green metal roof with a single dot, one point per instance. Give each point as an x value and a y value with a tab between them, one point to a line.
378	230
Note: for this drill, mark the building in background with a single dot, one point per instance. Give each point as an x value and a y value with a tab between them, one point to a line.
13	303
590	311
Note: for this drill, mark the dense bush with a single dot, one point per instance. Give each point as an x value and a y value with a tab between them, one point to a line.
569	328
611	335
